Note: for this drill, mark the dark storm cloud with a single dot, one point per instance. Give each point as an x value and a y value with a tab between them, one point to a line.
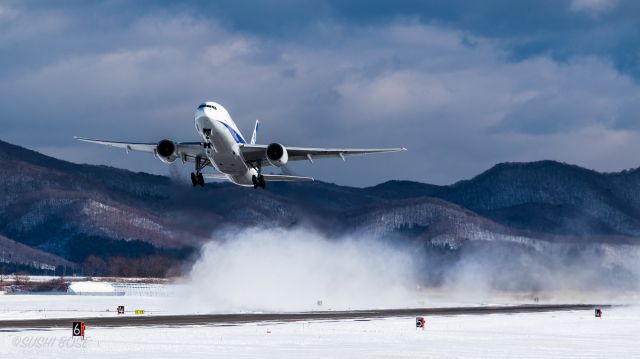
461	85
526	28
561	29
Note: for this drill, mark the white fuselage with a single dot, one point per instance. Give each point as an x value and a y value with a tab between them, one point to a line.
216	127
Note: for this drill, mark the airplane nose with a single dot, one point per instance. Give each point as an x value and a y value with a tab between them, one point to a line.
203	121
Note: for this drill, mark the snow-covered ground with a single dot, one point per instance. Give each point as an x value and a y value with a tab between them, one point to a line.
571	334
568	334
165	299
75	306
153	298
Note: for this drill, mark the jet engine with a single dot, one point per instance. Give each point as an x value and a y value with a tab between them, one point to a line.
277	154
166	151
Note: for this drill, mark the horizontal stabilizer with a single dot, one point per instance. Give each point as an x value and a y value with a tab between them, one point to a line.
273	178
215	176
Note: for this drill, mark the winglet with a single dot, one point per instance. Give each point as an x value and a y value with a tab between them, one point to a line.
255	132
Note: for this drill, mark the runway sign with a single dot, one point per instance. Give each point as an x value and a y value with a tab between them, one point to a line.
139	311
121	309
598	313
420	322
77	329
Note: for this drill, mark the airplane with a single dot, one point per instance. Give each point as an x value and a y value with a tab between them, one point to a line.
225	149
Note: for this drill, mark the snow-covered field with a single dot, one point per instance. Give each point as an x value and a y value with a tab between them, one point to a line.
571	334
568	334
158	299
166	299
152	298
70	306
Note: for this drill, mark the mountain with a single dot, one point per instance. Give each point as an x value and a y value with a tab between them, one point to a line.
552	197
93	219
542	197
19	256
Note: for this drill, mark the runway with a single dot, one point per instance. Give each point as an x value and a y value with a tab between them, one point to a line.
240	318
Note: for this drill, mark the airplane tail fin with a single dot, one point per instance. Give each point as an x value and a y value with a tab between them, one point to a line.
255	132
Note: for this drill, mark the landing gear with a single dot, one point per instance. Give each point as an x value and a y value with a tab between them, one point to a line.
197	178
258	181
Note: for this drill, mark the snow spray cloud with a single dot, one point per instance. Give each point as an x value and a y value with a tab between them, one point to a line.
293	269
552	268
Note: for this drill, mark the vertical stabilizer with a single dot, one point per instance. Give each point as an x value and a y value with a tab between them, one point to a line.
254	137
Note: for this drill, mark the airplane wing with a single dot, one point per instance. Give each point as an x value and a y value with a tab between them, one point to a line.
186	150
255	153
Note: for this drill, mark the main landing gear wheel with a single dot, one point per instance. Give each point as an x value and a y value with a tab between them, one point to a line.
197	179
258	181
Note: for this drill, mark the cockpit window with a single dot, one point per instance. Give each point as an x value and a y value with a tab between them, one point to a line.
205	105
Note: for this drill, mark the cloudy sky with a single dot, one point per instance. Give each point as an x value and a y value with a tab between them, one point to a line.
462	84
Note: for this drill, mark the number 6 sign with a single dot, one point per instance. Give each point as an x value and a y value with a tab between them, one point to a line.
78	329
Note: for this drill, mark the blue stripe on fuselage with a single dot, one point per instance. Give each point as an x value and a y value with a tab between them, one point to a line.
236	135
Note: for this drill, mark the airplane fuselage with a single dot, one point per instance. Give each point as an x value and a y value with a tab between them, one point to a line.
223	139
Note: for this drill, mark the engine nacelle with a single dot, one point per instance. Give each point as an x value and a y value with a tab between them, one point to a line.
166	151
277	154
